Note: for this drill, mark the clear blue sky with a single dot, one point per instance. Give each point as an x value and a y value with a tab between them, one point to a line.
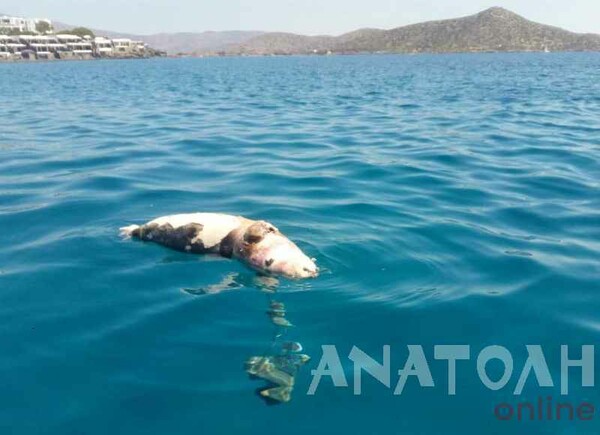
300	16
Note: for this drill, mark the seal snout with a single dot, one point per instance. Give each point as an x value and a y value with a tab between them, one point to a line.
311	271
300	268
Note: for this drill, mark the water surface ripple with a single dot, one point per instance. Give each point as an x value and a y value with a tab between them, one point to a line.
448	199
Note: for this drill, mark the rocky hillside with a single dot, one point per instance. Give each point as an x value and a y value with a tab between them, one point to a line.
191	43
495	29
281	43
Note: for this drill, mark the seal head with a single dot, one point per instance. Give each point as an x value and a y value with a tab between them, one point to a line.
263	248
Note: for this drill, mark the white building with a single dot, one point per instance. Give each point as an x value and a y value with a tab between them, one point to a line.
4	50
10	47
125	45
44	46
81	48
65	37
103	46
68	46
18	24
122	44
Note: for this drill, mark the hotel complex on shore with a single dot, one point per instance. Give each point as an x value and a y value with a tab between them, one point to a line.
23	39
18	24
65	46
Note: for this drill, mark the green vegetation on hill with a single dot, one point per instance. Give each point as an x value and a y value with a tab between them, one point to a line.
43	27
79	31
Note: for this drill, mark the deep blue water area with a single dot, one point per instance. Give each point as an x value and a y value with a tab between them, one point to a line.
448	199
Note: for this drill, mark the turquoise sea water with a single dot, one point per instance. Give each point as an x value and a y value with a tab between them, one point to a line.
449	199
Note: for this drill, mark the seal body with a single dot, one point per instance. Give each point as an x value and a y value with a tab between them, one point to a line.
258	244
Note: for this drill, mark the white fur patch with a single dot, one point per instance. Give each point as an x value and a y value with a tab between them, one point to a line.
215	225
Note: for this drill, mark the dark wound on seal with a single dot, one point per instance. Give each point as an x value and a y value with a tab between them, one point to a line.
253	235
250	235
227	244
184	238
257	231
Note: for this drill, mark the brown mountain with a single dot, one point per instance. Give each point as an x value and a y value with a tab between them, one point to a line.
495	29
184	42
191	42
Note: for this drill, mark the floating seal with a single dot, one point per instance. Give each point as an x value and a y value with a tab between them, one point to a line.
258	244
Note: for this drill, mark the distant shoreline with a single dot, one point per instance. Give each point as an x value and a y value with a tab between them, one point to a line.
94	59
492	30
234	56
367	53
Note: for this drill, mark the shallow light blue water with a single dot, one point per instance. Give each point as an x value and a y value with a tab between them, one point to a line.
449	199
